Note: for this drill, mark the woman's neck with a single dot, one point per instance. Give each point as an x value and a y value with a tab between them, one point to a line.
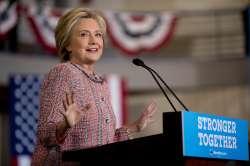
87	67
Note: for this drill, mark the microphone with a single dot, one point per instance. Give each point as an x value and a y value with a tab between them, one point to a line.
139	62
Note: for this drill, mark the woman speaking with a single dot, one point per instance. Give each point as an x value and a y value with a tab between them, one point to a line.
75	105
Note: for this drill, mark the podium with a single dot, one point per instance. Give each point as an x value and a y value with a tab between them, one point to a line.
168	148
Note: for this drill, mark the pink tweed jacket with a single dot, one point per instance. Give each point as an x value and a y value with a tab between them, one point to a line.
97	125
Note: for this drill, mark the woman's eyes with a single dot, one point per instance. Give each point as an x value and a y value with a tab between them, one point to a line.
84	34
87	34
99	34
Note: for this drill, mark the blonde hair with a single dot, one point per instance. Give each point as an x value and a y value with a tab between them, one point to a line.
66	24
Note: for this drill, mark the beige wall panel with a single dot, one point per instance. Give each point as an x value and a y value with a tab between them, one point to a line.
230	101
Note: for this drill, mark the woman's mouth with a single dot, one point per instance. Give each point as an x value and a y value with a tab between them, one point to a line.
91	49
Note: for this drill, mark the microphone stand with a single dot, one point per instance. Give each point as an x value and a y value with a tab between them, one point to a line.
163	91
173	93
139	62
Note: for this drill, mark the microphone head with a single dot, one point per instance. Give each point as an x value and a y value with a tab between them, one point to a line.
138	62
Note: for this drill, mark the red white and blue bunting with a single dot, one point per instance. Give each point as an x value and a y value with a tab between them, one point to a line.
131	32
8	18
134	33
43	23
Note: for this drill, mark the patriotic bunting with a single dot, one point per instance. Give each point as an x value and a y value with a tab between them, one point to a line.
43	23
134	33
131	32
8	18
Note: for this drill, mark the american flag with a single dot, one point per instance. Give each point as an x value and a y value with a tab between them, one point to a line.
24	92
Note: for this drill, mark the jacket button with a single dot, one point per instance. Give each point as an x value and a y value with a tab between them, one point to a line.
107	120
102	98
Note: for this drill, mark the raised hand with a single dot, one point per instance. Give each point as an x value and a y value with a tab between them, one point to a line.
146	117
71	112
143	121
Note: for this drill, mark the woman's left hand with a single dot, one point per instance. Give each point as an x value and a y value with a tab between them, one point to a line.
143	121
146	116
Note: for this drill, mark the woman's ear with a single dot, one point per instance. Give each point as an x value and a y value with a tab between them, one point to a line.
67	49
67	54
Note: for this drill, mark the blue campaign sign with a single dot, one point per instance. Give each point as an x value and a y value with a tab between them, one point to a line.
213	136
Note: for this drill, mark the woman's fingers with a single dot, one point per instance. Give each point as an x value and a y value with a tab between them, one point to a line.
69	97
72	98
146	121
65	104
71	111
148	115
66	97
68	100
151	109
63	112
152	112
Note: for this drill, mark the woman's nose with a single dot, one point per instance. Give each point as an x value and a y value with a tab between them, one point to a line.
92	39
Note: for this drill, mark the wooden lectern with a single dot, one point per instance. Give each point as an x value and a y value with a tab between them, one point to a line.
161	149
